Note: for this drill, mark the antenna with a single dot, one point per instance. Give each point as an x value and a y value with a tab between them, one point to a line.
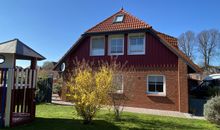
122	2
122	8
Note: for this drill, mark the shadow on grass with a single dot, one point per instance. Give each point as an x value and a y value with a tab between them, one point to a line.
65	124
154	124
106	122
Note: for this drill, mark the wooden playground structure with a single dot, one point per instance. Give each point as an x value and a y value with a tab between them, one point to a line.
17	86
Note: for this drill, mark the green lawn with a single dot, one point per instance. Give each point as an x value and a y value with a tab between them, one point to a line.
55	117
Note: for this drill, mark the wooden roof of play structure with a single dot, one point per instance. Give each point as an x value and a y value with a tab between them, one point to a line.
20	50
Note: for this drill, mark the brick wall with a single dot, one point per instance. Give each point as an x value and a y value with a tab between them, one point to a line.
137	91
176	98
183	86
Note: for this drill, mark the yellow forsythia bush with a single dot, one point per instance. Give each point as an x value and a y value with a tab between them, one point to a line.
89	89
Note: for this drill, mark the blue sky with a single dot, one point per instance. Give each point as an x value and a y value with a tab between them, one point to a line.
52	26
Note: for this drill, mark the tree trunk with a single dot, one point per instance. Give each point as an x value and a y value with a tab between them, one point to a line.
117	115
87	121
205	62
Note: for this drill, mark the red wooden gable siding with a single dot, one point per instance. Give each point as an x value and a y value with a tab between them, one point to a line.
156	54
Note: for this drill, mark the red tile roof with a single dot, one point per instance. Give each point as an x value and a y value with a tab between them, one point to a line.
172	40
130	22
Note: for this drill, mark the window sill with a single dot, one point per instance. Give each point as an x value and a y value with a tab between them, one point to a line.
119	92
97	55
119	54
155	95
136	54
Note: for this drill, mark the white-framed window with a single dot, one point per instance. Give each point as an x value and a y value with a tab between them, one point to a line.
97	46
116	45
118	83
156	84
136	44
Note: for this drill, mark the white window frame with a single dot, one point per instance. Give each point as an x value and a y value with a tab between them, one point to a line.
136	53
91	46
164	86
109	44
122	87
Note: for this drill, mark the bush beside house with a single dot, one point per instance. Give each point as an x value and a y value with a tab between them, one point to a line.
212	110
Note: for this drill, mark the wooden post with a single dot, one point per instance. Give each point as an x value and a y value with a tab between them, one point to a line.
10	83
34	64
33	103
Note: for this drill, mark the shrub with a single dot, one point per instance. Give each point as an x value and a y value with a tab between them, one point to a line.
88	89
43	90
57	86
212	110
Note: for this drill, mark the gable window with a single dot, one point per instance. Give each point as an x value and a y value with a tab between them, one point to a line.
118	18
118	83
116	45
97	46
156	84
136	44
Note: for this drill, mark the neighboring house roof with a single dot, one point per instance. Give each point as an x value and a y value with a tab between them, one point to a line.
131	23
20	50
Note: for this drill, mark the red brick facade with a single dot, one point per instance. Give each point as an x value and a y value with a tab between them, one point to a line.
176	82
176	98
183	86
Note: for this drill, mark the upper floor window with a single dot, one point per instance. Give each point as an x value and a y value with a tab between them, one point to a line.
136	44
156	84
118	18
97	46
116	45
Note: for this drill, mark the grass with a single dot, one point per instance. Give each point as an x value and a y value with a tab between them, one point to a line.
55	117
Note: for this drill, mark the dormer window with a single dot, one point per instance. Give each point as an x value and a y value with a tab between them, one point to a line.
118	18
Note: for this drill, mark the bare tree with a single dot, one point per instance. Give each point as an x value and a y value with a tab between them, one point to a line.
122	85
47	65
208	41
186	43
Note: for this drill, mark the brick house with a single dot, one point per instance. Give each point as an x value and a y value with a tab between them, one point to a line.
162	79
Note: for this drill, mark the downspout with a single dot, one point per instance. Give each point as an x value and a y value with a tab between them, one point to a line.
179	92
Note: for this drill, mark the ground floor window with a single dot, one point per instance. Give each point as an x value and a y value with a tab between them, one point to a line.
156	84
118	83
